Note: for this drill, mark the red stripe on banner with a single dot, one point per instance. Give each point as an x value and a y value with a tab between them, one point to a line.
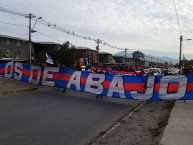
190	86
173	88
9	68
35	74
26	72
83	81
156	87
2	70
42	74
106	84
60	76
135	87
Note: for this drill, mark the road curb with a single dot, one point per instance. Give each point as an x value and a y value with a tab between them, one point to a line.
117	123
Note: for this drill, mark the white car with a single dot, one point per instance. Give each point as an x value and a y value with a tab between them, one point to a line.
155	71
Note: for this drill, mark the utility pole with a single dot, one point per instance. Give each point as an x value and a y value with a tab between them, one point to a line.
183	61
98	41
125	57
181	39
31	31
30	45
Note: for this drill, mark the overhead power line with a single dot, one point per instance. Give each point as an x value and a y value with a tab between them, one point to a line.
48	36
12	12
174	2
23	35
58	28
13	24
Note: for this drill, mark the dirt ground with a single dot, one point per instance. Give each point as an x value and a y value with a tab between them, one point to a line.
144	126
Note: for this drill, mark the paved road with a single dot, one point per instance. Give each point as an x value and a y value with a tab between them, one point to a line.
51	117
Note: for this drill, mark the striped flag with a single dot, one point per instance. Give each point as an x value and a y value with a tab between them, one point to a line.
49	59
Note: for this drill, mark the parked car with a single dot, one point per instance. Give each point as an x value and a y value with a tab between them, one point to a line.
155	71
173	71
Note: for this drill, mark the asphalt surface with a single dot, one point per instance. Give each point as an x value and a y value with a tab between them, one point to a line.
49	116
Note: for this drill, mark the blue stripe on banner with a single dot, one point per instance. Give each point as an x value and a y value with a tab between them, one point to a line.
128	95
85	74
109	77
135	79
155	97
190	78
2	69
67	70
61	83
2	65
188	95
105	91
26	75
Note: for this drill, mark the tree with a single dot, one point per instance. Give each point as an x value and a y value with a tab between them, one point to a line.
42	57
138	57
66	55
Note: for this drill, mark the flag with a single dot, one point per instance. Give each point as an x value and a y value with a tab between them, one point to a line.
86	60
49	59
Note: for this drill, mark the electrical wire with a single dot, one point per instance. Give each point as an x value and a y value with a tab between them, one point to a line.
13	24
55	27
174	3
48	36
23	35
12	12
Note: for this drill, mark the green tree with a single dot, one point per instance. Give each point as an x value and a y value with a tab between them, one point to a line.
42	57
66	55
138	57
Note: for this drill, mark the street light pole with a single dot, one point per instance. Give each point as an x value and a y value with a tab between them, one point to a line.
31	31
181	39
30	37
180	58
98	41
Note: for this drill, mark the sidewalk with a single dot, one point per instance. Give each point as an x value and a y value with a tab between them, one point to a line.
179	130
10	86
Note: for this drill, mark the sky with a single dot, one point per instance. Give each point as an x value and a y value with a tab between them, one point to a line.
149	26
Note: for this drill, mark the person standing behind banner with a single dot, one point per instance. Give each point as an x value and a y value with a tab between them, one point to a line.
142	72
78	68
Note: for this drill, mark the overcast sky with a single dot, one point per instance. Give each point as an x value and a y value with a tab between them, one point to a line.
149	26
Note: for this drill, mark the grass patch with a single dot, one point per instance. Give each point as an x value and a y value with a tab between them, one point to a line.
122	121
137	110
163	121
155	132
170	105
103	142
101	133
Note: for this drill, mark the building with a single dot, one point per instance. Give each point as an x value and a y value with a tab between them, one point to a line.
84	53
46	47
14	48
124	58
105	59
